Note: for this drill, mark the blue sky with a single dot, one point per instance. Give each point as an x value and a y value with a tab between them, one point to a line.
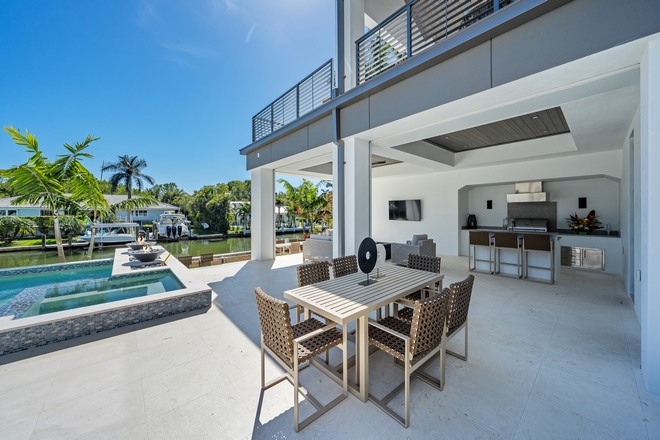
175	82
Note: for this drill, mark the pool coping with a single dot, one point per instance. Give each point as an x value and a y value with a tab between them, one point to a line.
173	302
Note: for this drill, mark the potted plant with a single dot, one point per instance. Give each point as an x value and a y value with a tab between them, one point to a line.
583	225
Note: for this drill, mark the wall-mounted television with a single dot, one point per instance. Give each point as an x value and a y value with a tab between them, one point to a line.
410	210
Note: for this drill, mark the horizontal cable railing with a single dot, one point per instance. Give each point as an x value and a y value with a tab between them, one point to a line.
415	27
310	93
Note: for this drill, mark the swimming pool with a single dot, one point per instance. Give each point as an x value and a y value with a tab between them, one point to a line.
33	294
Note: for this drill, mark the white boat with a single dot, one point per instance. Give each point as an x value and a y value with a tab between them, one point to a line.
172	226
111	233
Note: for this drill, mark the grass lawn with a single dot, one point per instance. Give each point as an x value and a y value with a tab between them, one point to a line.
32	242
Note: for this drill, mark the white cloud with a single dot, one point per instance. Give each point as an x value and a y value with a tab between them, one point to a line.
250	32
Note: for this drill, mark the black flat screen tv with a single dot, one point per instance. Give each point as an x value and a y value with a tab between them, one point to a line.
410	210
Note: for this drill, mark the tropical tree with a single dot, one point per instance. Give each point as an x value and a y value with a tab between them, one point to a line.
245	211
41	182
128	170
168	193
280	201
210	205
306	200
5	189
240	191
13	226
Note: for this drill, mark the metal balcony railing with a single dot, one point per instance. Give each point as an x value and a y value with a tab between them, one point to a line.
310	93
414	28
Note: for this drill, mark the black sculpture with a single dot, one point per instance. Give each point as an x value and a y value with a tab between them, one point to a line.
367	256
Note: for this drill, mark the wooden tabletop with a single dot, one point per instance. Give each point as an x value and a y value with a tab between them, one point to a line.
343	300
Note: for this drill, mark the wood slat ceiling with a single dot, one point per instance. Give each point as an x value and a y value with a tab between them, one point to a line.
543	123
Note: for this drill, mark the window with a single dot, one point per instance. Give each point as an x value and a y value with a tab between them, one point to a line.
12	212
140	213
3	212
46	212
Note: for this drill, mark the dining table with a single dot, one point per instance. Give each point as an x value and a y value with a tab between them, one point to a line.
352	298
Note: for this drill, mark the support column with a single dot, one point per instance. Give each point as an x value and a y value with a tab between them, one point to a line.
650	212
353	29
338	201
357	194
263	214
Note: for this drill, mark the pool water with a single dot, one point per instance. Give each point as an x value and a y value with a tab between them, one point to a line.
38	294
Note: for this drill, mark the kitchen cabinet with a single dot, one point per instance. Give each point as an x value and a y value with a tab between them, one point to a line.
586	258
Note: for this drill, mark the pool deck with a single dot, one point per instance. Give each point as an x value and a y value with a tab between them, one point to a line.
546	362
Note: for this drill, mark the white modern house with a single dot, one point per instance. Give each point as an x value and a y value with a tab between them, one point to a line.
453	102
149	213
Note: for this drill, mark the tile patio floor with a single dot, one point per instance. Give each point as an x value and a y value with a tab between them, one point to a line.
545	361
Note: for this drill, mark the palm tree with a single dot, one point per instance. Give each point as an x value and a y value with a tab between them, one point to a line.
245	210
128	170
41	182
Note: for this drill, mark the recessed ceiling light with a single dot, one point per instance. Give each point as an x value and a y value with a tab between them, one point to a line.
464	146
446	137
544	131
535	117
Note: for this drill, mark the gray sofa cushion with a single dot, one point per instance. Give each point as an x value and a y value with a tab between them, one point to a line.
417	238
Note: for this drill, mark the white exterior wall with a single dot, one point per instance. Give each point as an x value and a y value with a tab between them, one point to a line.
650	212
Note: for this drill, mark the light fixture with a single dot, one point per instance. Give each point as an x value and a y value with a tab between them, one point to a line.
544	131
535	117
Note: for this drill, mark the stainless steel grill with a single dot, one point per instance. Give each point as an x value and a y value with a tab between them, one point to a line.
529	225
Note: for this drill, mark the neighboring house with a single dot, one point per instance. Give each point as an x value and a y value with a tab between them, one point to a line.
143	215
453	109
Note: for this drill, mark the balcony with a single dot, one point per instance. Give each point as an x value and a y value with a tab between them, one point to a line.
309	94
415	27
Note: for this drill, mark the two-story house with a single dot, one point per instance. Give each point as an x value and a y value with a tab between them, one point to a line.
451	102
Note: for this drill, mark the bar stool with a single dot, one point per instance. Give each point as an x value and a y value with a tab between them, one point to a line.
538	243
479	238
506	240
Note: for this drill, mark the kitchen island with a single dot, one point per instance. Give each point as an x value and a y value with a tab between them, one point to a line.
611	244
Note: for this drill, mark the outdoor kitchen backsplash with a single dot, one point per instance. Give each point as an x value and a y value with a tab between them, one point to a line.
541	210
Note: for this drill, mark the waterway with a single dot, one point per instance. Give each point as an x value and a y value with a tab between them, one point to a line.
177	249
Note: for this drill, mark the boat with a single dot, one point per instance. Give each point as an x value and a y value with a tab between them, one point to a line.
172	226
111	233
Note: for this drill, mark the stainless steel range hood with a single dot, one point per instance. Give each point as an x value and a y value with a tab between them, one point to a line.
528	192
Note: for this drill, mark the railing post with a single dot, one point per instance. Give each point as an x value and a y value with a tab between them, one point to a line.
446	18
357	63
496	5
272	119
409	31
297	100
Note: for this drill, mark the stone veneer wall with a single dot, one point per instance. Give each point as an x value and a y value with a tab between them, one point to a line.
12	341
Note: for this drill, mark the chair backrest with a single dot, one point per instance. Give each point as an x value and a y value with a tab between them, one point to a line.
506	240
424	262
276	327
480	238
295	247
344	266
459	303
537	242
186	260
206	258
427	324
313	273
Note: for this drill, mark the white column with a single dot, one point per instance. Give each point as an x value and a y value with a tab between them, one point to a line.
357	195
353	29
338	208
650	213
263	214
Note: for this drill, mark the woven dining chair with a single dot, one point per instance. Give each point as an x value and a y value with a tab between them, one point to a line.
292	345
458	306
457	312
342	266
413	343
419	262
313	273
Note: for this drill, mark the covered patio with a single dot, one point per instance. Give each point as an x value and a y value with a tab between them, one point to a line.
546	361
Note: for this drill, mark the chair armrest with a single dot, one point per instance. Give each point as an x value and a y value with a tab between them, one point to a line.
374	323
315	333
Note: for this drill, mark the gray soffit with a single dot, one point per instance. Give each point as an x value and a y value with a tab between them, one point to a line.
376	161
521	128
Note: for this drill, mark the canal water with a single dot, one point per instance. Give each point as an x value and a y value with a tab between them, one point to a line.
177	249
